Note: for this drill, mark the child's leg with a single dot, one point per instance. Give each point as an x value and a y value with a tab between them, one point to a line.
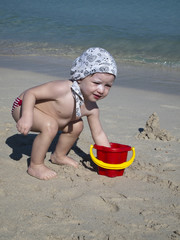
66	140
48	128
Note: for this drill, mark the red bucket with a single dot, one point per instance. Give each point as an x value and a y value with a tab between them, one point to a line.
116	154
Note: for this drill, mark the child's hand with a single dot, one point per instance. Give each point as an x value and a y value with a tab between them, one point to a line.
24	125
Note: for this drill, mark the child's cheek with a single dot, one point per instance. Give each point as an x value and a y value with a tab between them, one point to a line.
106	92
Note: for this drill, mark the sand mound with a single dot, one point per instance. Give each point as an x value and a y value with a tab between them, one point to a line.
152	130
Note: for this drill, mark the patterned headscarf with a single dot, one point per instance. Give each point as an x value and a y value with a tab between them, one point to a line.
79	99
93	60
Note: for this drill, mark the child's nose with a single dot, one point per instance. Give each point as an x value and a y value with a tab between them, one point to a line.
100	88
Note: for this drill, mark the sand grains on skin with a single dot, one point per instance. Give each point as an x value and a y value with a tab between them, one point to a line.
65	161
41	172
44	173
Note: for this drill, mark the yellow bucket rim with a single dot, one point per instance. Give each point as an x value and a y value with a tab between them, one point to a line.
112	166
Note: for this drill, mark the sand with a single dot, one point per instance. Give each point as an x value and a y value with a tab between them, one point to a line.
152	130
80	204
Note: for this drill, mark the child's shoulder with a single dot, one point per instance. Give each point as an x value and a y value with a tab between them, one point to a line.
62	85
57	89
65	83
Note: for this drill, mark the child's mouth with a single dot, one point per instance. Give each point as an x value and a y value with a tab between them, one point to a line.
97	96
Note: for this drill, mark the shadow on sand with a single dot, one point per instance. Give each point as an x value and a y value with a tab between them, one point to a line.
22	145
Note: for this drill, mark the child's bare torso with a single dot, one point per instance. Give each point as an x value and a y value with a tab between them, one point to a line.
63	107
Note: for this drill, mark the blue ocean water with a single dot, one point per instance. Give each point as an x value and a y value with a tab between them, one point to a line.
133	31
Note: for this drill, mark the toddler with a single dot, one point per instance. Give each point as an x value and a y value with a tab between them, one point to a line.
60	105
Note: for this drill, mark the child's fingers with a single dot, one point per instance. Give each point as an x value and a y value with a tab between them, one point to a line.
22	129
25	132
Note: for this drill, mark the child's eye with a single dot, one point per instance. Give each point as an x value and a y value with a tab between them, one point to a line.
109	86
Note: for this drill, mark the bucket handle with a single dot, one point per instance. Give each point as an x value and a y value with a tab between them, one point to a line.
112	166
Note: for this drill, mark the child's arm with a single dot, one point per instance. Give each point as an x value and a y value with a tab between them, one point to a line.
49	91
26	120
97	132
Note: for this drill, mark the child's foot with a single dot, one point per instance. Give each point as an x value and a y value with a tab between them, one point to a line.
41	172
63	161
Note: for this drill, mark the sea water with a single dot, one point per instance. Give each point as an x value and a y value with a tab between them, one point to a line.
131	30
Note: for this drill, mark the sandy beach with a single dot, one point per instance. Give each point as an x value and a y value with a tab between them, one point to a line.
143	204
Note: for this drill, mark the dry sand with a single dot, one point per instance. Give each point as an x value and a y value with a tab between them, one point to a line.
80	204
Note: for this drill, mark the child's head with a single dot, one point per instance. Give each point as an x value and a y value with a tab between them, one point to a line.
96	86
93	60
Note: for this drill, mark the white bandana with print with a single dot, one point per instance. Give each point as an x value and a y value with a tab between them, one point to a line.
78	97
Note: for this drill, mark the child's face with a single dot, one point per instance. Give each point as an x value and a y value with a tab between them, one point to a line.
96	86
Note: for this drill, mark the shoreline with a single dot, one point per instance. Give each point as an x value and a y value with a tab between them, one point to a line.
139	76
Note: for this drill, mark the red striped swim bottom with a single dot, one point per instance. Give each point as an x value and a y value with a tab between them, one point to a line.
17	103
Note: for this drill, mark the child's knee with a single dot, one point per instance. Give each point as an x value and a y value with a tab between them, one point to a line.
74	128
79	127
51	128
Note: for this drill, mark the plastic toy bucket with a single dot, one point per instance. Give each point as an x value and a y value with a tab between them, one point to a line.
111	161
